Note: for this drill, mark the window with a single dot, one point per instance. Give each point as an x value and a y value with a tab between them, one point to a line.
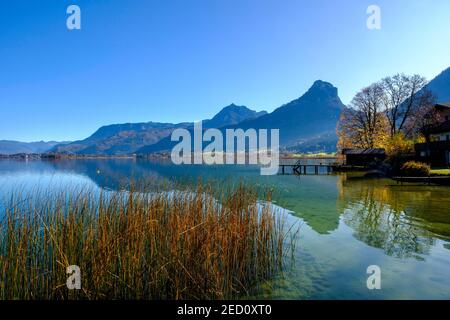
448	137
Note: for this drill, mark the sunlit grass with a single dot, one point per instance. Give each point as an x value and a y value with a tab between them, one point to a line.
440	172
133	245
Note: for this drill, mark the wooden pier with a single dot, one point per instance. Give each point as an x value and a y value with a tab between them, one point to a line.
299	168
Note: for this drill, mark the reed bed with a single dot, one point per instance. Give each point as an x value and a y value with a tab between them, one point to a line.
135	245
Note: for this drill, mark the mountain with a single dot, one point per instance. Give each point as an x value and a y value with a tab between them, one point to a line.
232	115
440	86
325	142
119	139
306	124
12	147
314	114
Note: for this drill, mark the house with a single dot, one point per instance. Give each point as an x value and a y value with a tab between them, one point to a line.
436	151
363	157
444	111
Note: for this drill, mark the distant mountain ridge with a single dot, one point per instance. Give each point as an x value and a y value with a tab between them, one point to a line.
9	147
440	86
313	116
127	138
306	124
118	139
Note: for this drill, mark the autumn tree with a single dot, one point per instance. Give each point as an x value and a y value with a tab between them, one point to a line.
405	101
346	137
398	108
364	124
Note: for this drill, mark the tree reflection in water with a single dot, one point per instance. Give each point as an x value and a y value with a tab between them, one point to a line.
391	217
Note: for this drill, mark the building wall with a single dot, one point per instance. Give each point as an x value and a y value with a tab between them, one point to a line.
435	153
362	160
445	115
444	136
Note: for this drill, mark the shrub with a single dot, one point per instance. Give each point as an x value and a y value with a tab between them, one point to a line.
399	145
415	169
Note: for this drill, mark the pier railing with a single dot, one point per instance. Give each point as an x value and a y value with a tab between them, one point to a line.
305	166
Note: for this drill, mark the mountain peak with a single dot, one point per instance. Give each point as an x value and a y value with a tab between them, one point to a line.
321	83
231	115
234	107
323	86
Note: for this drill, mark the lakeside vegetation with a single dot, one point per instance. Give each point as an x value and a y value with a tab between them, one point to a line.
393	114
132	245
418	169
440	172
415	169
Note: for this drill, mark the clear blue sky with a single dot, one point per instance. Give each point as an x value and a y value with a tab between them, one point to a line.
183	60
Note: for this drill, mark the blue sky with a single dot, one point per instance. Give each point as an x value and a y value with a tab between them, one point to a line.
183	60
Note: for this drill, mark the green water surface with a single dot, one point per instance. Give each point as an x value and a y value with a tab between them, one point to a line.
347	223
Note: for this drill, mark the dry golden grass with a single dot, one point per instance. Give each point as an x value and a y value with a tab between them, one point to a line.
132	245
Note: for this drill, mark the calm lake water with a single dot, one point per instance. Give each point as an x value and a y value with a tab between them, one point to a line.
347	223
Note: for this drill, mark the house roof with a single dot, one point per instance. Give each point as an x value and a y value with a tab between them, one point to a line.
373	151
443	105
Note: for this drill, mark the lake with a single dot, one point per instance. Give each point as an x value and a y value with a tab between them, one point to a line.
347	223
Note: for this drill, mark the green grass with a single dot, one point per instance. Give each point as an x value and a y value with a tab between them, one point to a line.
134	245
440	172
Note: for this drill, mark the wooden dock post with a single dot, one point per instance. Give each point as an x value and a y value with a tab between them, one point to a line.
304	169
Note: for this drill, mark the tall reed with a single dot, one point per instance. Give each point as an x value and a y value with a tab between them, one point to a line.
134	245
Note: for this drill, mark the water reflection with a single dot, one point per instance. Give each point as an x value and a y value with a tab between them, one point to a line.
403	221
376	209
313	198
348	222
